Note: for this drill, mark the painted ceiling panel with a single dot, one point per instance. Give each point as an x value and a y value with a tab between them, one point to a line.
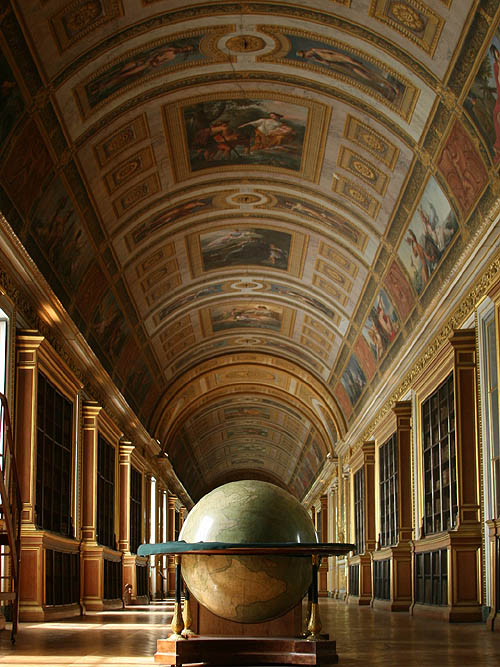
248	206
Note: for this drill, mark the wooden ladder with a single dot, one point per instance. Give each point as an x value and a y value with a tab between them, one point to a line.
10	518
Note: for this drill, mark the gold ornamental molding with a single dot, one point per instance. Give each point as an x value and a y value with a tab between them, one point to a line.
414	20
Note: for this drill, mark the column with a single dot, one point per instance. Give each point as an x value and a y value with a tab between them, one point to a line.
128	560
92	564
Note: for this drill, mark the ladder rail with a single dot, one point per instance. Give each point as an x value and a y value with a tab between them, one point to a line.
11	504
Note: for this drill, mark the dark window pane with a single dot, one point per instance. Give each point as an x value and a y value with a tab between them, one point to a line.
54	459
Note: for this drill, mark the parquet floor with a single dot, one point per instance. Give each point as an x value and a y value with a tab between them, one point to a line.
364	637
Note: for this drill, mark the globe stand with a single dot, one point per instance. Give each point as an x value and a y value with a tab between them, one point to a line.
241	648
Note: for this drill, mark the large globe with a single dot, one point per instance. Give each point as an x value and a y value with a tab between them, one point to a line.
248	589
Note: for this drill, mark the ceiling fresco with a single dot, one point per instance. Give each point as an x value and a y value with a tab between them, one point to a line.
247	209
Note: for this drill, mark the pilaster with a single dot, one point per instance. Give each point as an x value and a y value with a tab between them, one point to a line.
90	414
124	457
27	347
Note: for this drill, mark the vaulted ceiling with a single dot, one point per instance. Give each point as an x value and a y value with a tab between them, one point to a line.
248	208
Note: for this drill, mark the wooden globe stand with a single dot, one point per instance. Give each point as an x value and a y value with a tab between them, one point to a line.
235	643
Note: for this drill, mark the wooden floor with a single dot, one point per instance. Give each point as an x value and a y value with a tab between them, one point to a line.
364	637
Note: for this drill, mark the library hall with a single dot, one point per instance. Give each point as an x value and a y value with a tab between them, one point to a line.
252	250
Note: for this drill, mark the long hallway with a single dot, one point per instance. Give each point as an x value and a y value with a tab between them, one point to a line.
364	637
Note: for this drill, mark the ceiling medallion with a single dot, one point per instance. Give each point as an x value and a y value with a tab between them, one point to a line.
363	169
372	142
407	16
245	44
245	199
356	194
249	341
246	285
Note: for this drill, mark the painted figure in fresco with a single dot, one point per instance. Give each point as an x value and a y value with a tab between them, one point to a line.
244	131
107	325
354	380
276	255
175	213
419	261
433	244
134	68
217	141
304	298
387	324
343	228
232	240
337	59
496	111
376	342
270	132
260	316
250	246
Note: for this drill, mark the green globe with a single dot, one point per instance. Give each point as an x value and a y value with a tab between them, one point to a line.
248	589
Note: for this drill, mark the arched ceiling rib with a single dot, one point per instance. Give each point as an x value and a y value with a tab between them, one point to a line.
274	186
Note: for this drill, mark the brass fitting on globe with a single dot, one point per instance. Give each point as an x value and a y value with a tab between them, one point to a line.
314	625
177	623
305	633
187	618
